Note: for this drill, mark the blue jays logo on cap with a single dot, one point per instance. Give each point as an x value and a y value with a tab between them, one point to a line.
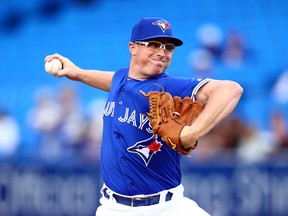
153	28
163	24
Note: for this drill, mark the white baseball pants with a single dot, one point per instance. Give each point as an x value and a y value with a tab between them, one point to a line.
178	205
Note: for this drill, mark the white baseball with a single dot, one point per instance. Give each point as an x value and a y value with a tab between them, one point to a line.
54	66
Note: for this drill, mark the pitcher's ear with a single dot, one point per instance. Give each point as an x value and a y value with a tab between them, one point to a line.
132	48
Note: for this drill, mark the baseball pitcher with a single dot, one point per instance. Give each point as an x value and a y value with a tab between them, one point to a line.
151	120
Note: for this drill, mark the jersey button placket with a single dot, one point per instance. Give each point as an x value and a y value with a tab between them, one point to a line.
121	91
122	160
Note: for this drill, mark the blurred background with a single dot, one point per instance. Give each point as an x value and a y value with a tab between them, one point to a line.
50	129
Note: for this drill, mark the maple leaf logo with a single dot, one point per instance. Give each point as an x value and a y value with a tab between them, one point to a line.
155	146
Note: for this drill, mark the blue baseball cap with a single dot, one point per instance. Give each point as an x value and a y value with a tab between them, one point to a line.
152	28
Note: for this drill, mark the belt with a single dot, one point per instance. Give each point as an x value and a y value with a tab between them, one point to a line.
137	201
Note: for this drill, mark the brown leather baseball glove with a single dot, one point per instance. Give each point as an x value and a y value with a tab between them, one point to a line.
169	115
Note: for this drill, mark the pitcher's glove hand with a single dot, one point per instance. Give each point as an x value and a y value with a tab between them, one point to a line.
169	115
